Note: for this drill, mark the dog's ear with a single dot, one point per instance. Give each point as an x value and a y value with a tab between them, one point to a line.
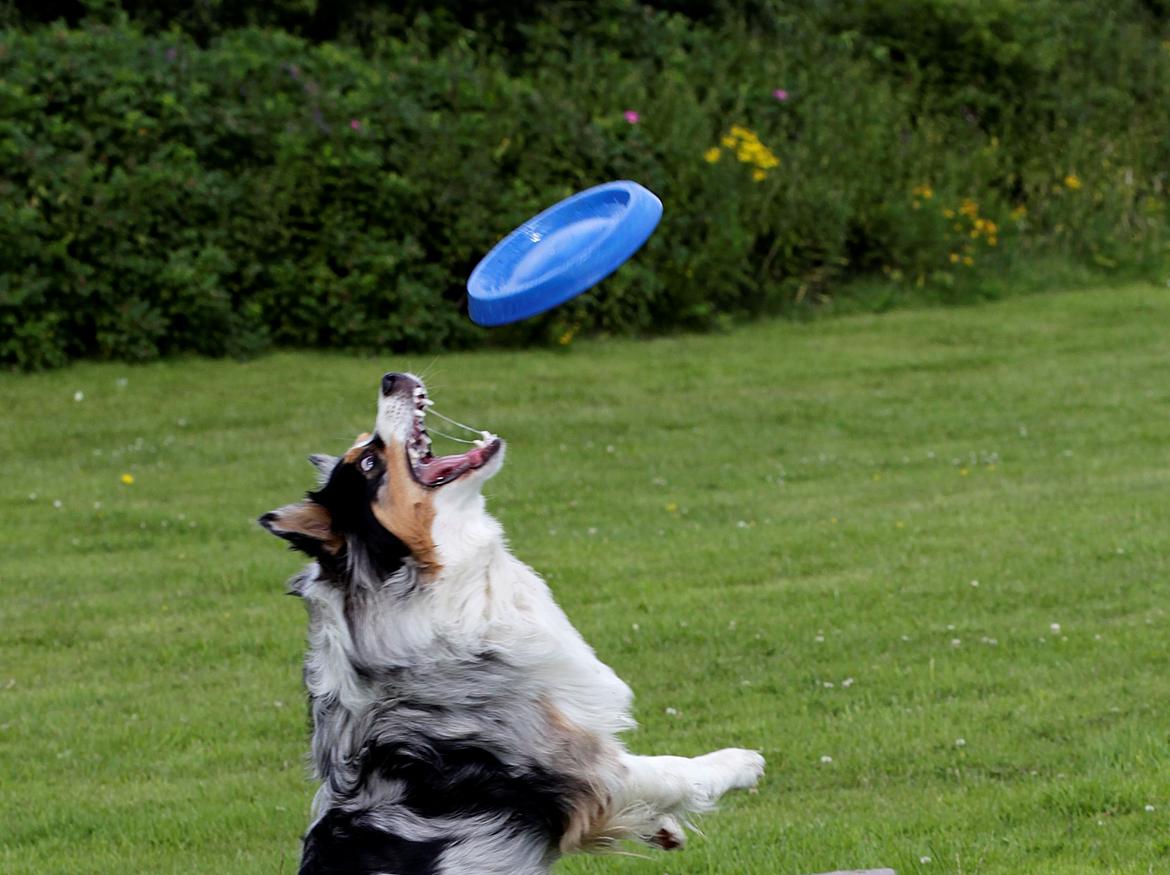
324	465
307	526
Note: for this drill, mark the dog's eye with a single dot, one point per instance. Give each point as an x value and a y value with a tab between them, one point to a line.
366	464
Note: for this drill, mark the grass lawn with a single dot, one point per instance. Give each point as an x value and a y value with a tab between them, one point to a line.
918	559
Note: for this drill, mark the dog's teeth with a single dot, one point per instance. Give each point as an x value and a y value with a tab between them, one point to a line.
419	413
428	402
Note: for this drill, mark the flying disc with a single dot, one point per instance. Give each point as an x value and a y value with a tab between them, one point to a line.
561	252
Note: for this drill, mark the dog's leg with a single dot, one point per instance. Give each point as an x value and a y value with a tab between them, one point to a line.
656	790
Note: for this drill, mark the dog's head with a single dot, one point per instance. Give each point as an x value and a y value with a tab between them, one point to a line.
389	502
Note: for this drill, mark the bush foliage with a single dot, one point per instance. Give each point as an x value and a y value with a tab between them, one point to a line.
222	189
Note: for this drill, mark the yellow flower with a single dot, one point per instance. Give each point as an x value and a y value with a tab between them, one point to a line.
969	208
923	191
712	154
954	256
992	240
963	472
1019	212
759	175
128	479
748	149
968	260
672	506
948	214
1072	181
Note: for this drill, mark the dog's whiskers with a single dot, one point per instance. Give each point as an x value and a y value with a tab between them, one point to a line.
449	437
476	431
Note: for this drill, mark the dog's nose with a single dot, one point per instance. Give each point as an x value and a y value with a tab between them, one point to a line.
400	383
389	381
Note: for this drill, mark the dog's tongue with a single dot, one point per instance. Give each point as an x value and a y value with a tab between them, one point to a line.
433	470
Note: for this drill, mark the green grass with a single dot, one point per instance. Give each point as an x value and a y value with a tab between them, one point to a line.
735	522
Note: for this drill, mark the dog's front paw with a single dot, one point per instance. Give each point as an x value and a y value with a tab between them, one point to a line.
669	836
735	768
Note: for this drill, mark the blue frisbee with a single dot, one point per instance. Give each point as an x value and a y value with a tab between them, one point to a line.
570	247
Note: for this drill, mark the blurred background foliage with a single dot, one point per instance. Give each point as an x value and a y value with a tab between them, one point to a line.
227	176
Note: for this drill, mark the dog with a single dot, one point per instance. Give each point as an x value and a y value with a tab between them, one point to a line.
460	723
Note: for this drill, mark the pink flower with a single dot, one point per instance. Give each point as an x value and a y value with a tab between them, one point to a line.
354	123
780	94
632	116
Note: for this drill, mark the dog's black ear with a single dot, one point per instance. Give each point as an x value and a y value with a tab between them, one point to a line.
307	526
324	465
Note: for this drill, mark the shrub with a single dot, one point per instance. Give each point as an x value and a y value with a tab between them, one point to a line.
158	196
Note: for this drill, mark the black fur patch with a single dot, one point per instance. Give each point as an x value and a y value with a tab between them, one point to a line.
348	496
339	844
450	779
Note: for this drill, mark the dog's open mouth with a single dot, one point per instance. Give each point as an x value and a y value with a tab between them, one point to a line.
430	470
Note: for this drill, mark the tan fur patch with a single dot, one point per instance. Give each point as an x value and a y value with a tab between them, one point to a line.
406	508
582	756
359	447
311	520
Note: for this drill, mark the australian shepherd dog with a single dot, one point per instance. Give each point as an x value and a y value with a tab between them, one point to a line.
461	725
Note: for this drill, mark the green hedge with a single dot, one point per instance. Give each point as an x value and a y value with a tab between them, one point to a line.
159	197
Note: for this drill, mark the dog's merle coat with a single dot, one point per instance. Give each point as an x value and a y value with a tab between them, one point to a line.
460	723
